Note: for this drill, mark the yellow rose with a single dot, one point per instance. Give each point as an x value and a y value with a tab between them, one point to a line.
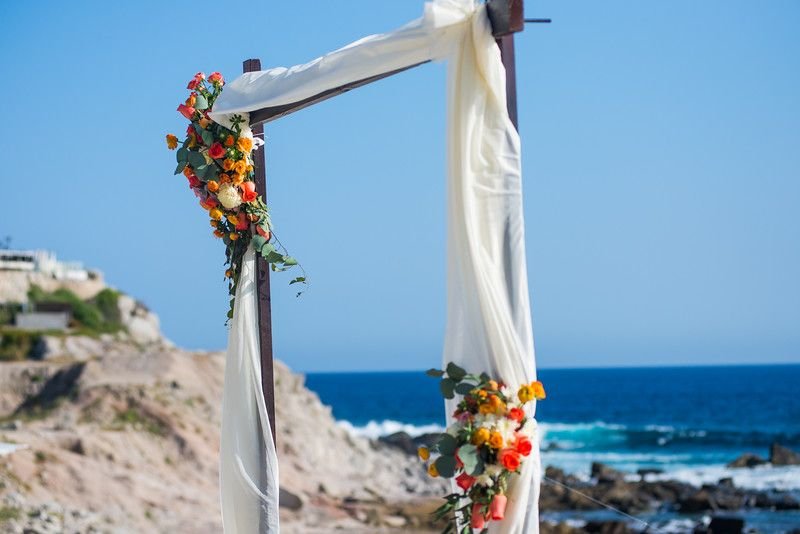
493	385
424	453
227	164
233	236
432	471
212	186
172	142
496	440
216	214
240	166
245	144
525	393
233	219
485	408
480	436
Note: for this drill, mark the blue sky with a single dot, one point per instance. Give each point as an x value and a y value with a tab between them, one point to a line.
661	151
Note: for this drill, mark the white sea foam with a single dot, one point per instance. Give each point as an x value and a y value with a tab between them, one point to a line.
764	477
376	429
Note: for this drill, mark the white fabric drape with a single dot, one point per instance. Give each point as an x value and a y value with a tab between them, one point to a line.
248	461
488	311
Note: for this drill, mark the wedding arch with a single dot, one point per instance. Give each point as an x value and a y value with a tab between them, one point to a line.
488	312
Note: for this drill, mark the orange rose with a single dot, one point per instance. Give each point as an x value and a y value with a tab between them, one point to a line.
228	164
172	142
204	122
538	390
212	186
188	171
240	166
229	140
523	445
236	178
245	144
192	100
495	440
516	414
223	178
509	459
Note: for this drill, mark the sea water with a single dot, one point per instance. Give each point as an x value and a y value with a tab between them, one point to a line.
687	421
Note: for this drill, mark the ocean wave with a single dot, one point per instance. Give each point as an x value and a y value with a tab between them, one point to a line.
8	448
765	477
376	429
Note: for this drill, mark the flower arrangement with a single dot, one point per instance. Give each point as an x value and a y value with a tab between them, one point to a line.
217	161
483	449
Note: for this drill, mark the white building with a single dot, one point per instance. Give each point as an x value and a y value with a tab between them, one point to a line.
44	262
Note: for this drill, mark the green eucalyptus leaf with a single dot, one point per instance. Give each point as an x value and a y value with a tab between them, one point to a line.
464	387
446	466
182	154
180	167
455	372
258	242
196	159
200	102
447	386
470	457
289	261
447	444
298	280
208	137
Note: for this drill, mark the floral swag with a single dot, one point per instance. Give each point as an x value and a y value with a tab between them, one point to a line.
217	160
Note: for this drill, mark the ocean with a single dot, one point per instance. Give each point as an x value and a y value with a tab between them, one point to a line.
688	421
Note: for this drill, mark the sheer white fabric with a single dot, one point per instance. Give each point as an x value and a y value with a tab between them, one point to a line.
488	312
248	461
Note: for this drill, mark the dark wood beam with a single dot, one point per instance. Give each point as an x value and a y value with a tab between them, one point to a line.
506	16
262	278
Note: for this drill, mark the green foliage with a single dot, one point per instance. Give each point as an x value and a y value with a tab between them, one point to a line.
17	344
96	316
139	420
9	513
8	311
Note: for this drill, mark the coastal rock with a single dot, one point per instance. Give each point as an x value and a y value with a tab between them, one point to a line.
722	525
607	527
605	474
400	440
747	460
780	455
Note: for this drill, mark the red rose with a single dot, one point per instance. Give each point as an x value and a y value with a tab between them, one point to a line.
516	414
194	181
523	445
216	151
243	223
464	481
209	203
199	77
215	77
186	111
249	191
509	459
498	507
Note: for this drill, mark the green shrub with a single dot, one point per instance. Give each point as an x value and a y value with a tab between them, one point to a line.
96	316
17	344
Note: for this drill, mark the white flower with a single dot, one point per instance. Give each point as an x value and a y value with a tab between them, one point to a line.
484	480
493	470
454	429
229	196
507	428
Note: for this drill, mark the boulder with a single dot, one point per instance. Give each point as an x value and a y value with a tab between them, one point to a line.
604	473
780	455
607	527
724	525
400	440
747	460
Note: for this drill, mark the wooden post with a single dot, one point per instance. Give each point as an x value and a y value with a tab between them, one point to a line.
506	44
262	278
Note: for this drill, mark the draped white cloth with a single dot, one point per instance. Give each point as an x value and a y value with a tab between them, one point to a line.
488	311
248	462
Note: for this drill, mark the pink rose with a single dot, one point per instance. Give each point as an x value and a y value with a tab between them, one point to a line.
249	191
498	507
186	111
478	520
215	78
199	77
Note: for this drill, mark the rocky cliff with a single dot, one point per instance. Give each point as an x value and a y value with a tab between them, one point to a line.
117	436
